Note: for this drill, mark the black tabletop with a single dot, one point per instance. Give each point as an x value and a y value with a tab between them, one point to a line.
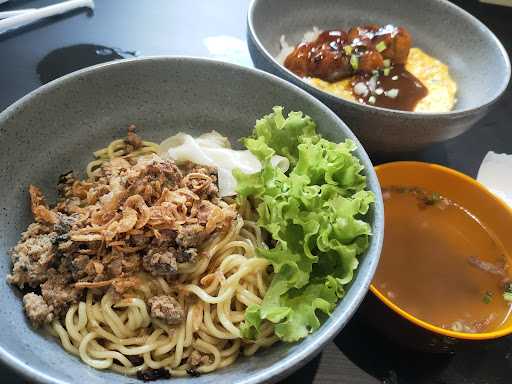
41	52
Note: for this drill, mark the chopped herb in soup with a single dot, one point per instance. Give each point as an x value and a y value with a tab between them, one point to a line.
441	264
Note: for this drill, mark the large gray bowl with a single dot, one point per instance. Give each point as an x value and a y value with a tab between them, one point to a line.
476	59
56	128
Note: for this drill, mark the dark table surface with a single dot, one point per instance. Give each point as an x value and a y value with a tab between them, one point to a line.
216	28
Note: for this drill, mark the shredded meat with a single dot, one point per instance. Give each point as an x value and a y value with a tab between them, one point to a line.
133	139
191	235
196	359
79	266
66	181
188	255
133	216
485	266
58	294
161	262
190	168
115	267
64	223
37	310
166	308
32	256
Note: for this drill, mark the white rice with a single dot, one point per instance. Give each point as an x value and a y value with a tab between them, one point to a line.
286	49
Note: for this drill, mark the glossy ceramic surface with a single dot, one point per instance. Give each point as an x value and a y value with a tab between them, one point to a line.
491	211
55	129
477	61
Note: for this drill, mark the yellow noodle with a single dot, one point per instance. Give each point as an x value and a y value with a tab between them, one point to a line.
118	148
84	353
214	291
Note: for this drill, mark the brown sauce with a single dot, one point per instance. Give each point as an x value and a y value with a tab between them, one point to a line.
409	89
440	264
323	58
366	52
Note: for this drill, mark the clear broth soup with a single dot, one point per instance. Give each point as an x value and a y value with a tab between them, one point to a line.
440	264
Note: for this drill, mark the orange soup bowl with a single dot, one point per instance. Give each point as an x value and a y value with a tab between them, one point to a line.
395	322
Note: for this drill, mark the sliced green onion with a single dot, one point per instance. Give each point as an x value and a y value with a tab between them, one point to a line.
487	297
386	71
387	63
381	46
507	295
354	62
348	49
432	199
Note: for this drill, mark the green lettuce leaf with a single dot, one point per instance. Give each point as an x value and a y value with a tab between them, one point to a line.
282	135
316	213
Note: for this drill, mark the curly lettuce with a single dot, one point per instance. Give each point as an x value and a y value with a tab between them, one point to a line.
315	213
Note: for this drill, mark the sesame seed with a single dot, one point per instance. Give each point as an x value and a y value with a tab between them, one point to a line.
393	93
361	89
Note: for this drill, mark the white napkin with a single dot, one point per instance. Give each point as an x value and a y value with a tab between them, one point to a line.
496	174
31	16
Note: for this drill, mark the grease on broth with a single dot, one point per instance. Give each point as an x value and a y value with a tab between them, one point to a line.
440	264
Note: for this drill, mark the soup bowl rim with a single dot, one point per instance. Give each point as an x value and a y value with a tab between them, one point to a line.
410	317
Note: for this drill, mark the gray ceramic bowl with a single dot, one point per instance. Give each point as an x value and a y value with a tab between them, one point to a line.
56	128
476	59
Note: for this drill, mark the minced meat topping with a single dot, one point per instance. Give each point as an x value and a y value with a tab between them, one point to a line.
132	216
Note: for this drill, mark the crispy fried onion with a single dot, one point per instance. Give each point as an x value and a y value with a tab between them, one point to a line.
132	216
148	195
137	202
196	181
39	208
120	284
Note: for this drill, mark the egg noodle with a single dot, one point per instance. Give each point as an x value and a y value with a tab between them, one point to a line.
118	148
214	291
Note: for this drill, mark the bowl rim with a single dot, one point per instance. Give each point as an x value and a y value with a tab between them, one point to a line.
500	204
326	332
365	107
